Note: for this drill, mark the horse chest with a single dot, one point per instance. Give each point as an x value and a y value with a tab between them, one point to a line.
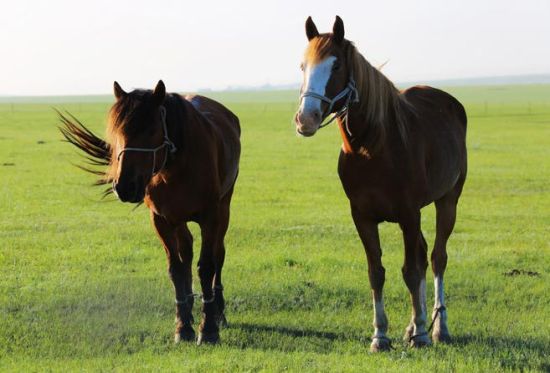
177	202
369	189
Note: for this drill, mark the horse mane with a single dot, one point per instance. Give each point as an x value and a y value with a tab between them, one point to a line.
380	101
99	152
134	105
138	105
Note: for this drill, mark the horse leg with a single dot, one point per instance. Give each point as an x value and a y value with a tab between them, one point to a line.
185	309
414	274
178	244
219	259
445	220
368	232
209	328
409	331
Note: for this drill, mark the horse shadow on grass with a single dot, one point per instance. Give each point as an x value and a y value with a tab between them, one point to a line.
508	352
129	316
281	338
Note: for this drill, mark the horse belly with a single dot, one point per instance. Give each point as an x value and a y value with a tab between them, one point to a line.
444	167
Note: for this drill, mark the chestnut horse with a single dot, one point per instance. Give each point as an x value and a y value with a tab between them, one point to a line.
179	155
402	150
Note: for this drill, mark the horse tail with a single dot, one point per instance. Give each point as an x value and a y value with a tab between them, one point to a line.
97	150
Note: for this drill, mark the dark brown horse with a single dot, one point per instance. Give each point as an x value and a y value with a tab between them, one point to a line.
179	155
401	151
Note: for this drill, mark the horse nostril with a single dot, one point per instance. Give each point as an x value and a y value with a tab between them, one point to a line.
297	117
317	115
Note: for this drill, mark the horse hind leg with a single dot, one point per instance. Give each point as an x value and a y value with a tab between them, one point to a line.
210	266
445	220
414	274
219	258
184	329
421	263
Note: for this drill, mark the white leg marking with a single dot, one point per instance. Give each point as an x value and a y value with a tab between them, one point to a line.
440	329
438	285
380	322
316	78
420	319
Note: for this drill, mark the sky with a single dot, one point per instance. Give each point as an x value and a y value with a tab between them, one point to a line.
72	47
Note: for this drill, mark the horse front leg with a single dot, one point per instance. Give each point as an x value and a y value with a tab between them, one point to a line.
414	274
368	232
178	244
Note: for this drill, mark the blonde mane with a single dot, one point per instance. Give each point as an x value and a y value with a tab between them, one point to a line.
380	101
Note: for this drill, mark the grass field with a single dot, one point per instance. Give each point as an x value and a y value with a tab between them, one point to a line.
84	286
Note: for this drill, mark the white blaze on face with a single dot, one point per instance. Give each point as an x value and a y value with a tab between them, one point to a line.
316	78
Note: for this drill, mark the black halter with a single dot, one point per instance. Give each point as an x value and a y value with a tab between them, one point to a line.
352	96
167	144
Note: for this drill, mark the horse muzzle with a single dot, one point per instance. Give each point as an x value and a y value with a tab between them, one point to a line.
132	191
307	123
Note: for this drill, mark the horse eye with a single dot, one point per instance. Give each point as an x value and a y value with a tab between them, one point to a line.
336	66
302	66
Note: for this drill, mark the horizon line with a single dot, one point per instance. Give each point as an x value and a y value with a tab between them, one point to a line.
488	80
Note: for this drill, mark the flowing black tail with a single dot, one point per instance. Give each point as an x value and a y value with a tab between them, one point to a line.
98	152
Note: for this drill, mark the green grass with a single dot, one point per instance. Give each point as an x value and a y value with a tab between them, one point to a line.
84	286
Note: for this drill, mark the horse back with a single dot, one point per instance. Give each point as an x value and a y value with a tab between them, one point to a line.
226	128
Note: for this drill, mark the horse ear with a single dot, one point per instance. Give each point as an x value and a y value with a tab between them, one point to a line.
160	92
119	92
338	30
311	29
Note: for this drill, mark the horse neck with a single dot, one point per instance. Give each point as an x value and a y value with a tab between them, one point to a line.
196	133
183	122
377	118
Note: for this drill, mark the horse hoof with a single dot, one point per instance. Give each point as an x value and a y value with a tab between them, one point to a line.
441	337
420	341
380	345
222	321
211	338
184	335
